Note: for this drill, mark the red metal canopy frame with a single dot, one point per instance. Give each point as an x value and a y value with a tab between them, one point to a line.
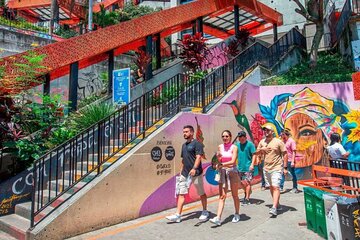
90	48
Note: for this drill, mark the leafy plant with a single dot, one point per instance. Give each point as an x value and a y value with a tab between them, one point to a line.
25	75
90	115
104	77
142	60
193	51
30	149
243	36
65	32
59	136
88	100
21	23
45	116
105	18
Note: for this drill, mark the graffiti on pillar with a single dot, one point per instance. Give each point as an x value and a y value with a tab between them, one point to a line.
90	83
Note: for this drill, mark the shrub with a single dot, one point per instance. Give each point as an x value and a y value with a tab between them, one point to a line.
330	68
90	115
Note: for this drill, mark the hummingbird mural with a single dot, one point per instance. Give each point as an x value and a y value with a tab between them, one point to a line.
238	107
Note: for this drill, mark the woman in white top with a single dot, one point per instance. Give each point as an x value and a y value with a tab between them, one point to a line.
336	150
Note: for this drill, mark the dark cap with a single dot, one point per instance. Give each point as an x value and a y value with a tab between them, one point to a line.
242	134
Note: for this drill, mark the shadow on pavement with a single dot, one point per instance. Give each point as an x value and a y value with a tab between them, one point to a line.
256	201
283	209
243	217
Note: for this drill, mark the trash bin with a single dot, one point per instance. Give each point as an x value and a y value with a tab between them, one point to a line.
320	213
349	215
332	217
310	208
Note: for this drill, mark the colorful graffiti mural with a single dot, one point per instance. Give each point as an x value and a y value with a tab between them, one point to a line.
312	117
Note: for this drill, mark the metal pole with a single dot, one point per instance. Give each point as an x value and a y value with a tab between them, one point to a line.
90	15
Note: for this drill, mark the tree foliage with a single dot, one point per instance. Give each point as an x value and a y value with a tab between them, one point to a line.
193	51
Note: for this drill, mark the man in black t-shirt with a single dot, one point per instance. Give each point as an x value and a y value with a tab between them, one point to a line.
191	172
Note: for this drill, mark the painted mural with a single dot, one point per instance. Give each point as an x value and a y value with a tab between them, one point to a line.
312	117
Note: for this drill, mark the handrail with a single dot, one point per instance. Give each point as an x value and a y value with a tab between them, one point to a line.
342	22
83	157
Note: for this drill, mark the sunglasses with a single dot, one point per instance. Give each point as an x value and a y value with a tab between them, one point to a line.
225	136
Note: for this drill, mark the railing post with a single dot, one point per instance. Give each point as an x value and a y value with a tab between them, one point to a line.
178	91
144	114
203	95
99	148
33	192
224	80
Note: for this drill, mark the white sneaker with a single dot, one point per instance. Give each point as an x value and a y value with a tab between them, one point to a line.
215	221
204	216
273	211
174	218
236	218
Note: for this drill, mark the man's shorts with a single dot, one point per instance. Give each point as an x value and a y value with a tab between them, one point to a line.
197	181
247	176
273	177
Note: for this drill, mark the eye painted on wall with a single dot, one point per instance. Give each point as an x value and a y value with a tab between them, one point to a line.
306	131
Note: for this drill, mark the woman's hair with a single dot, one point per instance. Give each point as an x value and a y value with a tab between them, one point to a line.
227	131
334	138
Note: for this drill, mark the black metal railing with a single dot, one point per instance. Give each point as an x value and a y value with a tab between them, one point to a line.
342	22
347	165
216	83
68	167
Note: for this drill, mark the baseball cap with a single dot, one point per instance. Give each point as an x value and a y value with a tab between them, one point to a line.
242	134
268	127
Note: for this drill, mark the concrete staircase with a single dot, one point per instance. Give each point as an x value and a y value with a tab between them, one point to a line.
14	226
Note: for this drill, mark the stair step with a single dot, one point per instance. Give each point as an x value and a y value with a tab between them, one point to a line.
14	225
5	236
24	210
64	184
78	175
56	203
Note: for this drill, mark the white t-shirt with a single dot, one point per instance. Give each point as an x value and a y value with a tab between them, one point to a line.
336	151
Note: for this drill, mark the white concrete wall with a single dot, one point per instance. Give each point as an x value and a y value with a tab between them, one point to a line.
290	17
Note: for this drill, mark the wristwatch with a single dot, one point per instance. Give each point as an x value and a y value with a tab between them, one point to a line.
285	168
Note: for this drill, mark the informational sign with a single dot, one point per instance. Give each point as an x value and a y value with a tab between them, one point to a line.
121	86
156	154
169	153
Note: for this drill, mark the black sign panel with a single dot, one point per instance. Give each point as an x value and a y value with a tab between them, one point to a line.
156	154
169	153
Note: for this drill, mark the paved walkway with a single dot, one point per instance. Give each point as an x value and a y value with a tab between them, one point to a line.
255	223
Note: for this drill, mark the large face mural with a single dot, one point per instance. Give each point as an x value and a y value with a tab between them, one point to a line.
311	118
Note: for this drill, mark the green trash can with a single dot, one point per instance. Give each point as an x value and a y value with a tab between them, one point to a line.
310	208
320	213
315	211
